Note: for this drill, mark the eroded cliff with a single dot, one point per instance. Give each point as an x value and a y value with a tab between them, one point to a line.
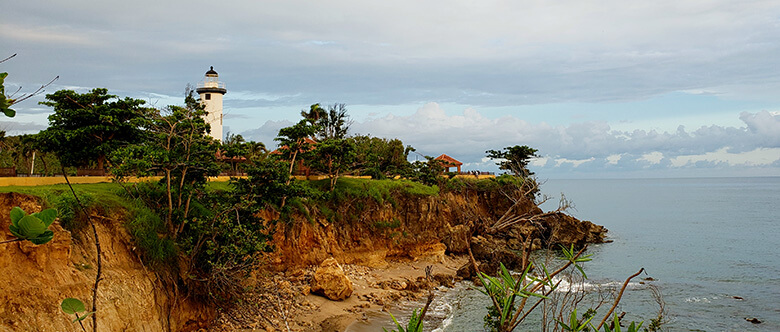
36	278
368	231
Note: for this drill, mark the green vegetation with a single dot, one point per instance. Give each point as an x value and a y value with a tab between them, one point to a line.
33	227
514	159
206	237
415	323
86	127
72	306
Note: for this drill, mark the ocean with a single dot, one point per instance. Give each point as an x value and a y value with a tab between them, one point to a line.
711	246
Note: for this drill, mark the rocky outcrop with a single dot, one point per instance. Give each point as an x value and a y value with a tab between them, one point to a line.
425	226
38	277
331	281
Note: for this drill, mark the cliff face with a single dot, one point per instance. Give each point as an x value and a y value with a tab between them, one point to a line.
361	231
410	226
36	278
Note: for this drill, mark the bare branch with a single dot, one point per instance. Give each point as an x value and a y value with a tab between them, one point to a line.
617	300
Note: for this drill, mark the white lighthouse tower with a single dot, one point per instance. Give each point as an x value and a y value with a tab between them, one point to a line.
211	91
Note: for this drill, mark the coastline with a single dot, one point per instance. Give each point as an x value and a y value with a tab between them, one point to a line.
287	297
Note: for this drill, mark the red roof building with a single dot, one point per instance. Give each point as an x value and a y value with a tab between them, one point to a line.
448	162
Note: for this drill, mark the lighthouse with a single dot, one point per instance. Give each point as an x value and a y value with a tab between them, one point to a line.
211	91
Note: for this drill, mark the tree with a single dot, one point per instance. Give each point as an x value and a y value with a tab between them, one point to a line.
256	150
234	147
335	123
379	157
180	149
333	156
514	159
428	172
331	123
294	140
89	126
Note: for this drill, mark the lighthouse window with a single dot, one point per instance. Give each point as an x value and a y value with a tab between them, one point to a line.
208	96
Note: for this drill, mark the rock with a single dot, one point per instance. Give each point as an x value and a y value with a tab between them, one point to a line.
398	285
457	239
444	280
331	281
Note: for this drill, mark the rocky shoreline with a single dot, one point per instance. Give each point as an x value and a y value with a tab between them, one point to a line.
284	299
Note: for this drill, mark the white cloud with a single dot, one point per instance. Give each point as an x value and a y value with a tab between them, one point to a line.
466	136
757	157
574	163
654	157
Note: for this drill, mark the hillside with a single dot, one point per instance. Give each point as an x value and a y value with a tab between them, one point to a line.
361	226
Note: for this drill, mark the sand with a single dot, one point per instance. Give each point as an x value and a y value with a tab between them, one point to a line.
284	300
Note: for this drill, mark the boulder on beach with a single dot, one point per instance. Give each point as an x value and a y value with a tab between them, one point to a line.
331	281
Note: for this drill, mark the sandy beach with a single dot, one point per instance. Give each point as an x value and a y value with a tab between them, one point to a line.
284	302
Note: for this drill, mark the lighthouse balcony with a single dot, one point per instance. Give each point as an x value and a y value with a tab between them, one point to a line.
211	84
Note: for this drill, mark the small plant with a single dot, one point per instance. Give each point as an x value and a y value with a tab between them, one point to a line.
633	327
415	323
72	306
575	325
32	227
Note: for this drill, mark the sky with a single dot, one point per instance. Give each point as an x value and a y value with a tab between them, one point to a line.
603	89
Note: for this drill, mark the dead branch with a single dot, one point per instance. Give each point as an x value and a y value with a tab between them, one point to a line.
617	300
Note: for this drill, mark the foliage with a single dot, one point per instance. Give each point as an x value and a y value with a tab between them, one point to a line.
575	324
265	184
90	126
380	191
415	324
428	172
514	159
221	244
33	227
333	156
233	147
379	157
331	123
509	295
21	152
179	149
5	102
294	141
73	306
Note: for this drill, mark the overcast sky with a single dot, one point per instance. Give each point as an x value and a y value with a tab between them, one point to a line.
602	88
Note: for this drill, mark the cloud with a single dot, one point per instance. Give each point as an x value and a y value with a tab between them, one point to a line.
491	53
18	128
466	136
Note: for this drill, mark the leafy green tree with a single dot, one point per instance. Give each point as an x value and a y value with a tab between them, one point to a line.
256	150
233	147
427	172
295	140
179	148
17	152
333	156
314	113
334	123
379	157
514	159
89	126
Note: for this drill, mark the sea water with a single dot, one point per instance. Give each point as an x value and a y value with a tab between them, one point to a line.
712	246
